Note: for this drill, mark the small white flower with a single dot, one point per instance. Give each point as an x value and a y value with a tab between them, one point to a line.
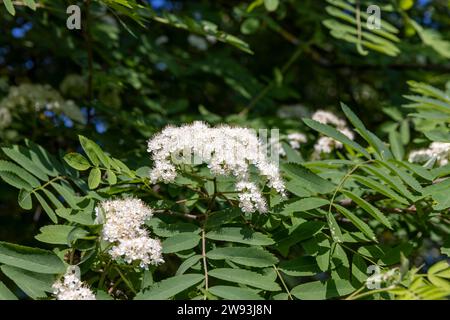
70	287
296	139
440	151
327	144
327	117
148	251
347	132
124	218
124	227
250	198
163	171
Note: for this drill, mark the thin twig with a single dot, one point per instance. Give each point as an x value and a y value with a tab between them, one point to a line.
282	281
369	293
127	282
350	297
208	210
343	180
178	214
103	276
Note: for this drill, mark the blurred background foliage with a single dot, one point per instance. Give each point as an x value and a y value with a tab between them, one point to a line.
136	66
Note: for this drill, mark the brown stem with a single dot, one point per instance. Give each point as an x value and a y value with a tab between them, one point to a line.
179	214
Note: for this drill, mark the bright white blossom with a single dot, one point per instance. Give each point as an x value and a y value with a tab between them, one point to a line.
347	132
144	249
70	287
296	139
327	117
123	218
327	144
224	149
123	224
163	171
440	151
250	198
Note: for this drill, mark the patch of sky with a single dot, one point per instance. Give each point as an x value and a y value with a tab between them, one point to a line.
20	32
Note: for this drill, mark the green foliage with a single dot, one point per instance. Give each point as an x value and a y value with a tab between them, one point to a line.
351	24
322	223
134	69
169	287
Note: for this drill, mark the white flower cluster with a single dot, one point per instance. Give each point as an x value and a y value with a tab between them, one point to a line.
327	117
437	151
70	287
225	150
294	140
327	144
30	98
250	198
123	225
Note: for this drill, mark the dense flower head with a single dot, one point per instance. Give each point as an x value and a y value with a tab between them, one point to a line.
224	149
123	224
327	144
144	249
439	151
250	198
70	287
123	218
